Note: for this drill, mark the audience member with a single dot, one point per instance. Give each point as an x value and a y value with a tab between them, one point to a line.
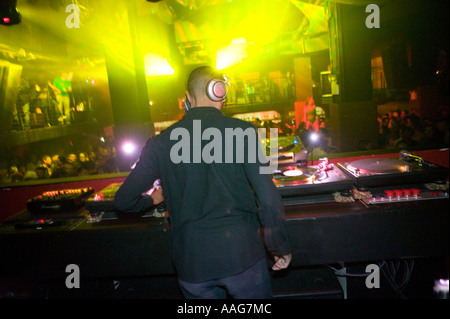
107	161
16	175
59	167
87	167
47	165
72	164
41	173
30	175
414	122
384	133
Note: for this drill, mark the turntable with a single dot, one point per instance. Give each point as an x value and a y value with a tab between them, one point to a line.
408	169
295	180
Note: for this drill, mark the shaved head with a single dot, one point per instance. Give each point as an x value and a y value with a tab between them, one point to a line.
199	78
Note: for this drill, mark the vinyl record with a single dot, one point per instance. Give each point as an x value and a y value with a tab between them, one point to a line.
294	173
378	166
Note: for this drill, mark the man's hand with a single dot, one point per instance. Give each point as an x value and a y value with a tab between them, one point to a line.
282	262
157	195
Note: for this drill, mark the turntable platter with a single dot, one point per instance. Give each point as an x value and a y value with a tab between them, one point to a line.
379	166
294	173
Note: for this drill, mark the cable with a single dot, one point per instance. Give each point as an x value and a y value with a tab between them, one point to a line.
390	272
365	274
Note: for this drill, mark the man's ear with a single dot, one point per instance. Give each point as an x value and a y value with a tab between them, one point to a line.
188	96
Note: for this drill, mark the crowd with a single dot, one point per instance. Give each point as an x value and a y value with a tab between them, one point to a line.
396	130
304	130
399	129
88	162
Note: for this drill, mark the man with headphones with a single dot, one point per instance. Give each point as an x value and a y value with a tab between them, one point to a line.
224	216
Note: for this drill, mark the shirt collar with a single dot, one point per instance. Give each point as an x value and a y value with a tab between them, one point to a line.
203	110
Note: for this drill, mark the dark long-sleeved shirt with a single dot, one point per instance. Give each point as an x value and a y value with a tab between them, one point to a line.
217	203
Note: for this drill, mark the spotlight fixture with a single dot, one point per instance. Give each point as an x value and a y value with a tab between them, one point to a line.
8	13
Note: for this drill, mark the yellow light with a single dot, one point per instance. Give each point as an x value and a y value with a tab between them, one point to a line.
238	40
224	60
156	65
231	54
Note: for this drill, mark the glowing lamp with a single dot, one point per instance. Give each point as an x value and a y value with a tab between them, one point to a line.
314	137
128	148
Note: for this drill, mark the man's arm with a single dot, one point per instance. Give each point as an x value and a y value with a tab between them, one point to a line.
271	213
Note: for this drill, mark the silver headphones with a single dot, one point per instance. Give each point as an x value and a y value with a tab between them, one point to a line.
217	89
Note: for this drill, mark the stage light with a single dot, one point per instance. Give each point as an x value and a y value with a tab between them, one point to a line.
232	54
313	137
156	65
8	13
128	148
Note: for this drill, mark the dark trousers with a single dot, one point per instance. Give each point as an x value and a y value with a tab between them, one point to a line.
253	283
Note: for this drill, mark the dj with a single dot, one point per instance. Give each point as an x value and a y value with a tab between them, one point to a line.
221	213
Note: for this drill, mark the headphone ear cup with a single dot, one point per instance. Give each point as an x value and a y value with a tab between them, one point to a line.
216	90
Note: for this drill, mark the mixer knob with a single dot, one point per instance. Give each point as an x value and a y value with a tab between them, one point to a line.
389	193
407	192
398	192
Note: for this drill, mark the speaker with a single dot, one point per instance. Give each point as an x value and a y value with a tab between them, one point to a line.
396	69
353	126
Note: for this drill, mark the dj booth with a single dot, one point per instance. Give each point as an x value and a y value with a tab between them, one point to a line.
361	210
